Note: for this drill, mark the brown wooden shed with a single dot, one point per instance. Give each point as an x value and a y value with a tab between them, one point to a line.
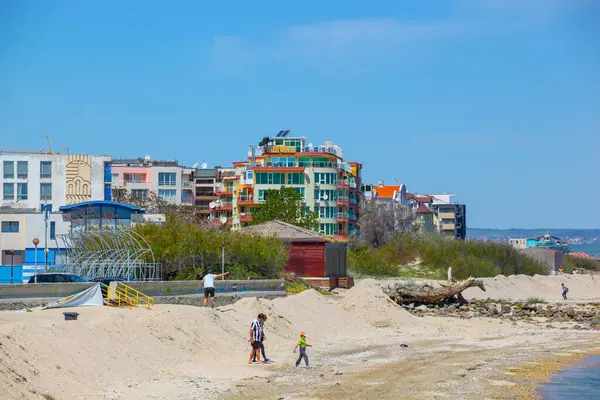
306	249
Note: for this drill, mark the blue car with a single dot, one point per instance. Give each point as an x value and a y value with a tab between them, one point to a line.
55	277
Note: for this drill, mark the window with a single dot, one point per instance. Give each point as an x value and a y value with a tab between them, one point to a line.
327	229
169	195
9	170
300	191
52	230
9	191
250	175
295	178
138	178
270	178
326	178
45	191
22	169
115	179
10	226
21	191
141	194
167	179
261	195
45	169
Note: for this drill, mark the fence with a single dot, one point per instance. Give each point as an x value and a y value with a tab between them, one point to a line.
11	274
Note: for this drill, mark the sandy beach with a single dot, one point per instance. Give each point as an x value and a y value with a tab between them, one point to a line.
183	352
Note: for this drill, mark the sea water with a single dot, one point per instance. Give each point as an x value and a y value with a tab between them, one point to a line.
579	382
593	249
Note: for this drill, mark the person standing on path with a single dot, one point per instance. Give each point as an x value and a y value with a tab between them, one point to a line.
208	282
262	342
256	335
302	344
565	290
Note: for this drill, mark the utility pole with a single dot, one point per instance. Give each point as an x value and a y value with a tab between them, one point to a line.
223	259
46	237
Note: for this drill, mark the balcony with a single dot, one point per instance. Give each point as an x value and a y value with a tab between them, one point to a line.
246	200
206	196
342	200
277	168
245	217
346	217
133	185
224	192
446	215
224	206
448	227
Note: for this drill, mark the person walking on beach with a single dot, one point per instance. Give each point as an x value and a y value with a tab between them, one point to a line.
208	282
262	343
302	344
565	290
256	335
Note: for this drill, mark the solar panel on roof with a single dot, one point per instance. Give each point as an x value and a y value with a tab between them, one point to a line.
285	133
280	134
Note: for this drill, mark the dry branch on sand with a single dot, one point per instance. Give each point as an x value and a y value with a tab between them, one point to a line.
402	292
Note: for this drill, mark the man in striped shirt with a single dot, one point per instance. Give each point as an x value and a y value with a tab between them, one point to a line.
256	337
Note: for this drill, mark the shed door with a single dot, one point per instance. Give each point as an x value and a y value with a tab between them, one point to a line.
306	259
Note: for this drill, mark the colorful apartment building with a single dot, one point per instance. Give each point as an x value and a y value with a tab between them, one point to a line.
169	180
432	212
328	184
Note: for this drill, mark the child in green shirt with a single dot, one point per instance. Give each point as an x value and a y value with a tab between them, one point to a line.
302	344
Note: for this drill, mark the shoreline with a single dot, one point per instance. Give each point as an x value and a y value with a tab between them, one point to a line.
494	367
542	372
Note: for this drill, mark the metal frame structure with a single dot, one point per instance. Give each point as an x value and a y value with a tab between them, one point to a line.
114	252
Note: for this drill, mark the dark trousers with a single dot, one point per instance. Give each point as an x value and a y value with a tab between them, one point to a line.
301	356
262	350
565	294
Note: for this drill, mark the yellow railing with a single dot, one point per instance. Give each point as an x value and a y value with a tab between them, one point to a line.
123	295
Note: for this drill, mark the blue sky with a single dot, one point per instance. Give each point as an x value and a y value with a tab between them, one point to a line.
497	101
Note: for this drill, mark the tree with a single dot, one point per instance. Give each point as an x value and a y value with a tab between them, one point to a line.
288	206
380	218
155	204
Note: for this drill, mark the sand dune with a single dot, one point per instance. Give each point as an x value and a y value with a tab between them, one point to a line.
521	287
184	352
109	349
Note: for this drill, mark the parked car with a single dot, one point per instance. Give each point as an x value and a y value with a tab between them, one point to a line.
56	277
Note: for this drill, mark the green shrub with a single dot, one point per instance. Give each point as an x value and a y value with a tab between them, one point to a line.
186	251
571	262
436	254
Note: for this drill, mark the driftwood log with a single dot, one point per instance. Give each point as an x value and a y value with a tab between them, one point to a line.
401	292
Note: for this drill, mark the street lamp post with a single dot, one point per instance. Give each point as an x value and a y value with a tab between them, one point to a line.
35	241
12	263
46	236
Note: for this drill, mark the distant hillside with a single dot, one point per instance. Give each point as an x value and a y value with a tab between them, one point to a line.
585	234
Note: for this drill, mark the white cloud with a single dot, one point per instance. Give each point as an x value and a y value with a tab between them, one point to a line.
370	39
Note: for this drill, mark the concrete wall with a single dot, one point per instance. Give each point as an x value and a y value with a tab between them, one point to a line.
177	288
552	258
152	289
41	290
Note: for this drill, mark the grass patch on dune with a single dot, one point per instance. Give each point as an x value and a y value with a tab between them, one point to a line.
534	300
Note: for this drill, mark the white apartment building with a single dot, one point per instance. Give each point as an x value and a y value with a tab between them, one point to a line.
30	180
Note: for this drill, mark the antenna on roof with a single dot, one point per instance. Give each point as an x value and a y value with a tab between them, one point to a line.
195	166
